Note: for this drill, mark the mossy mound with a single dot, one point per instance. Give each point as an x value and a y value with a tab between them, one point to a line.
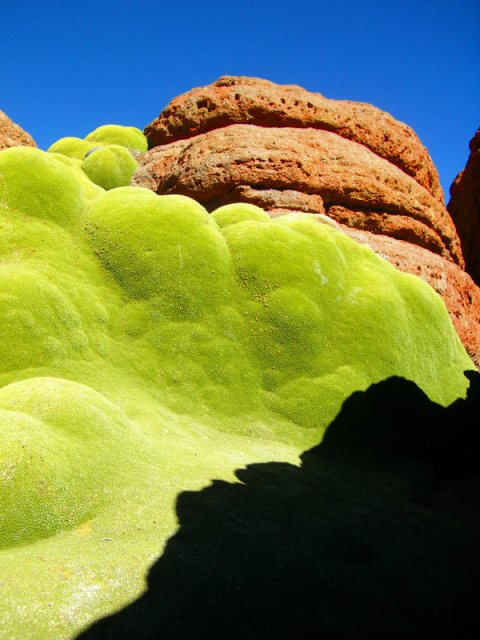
109	167
129	137
106	154
149	347
72	147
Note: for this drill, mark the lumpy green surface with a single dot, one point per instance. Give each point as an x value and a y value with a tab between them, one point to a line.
105	156
129	137
110	166
149	347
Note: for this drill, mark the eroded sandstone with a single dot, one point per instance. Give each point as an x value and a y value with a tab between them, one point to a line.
243	100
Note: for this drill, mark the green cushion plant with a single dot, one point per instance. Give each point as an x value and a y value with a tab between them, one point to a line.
149	347
106	154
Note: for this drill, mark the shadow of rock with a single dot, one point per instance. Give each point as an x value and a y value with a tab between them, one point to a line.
374	536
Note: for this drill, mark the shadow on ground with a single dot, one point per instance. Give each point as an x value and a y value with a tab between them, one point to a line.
374	536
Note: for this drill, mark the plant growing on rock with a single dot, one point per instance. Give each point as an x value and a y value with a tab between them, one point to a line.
149	347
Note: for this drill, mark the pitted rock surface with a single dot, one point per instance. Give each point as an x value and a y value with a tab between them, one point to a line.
396	226
12	135
243	100
464	207
214	167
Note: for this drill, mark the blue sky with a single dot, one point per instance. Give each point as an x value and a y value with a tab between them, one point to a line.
66	68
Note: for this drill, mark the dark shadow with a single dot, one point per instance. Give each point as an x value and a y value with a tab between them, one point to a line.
374	536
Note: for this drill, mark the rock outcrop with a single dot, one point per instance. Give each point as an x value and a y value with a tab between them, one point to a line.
286	149
464	207
11	135
243	100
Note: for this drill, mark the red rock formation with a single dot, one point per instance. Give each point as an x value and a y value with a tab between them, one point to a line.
11	135
464	207
285	149
242	100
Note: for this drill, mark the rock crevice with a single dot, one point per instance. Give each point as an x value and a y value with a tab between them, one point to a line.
464	207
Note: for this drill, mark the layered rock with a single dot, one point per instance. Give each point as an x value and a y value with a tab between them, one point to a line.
464	207
12	135
243	100
285	149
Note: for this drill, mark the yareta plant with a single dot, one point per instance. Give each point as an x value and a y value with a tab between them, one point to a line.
106	155
149	347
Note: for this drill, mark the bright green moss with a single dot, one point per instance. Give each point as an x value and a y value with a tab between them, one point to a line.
233	213
72	147
39	324
110	167
89	188
129	137
37	185
105	155
60	473
149	347
165	248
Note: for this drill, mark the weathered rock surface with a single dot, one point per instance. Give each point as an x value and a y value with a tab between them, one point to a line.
464	207
243	100
11	135
350	164
213	166
276	202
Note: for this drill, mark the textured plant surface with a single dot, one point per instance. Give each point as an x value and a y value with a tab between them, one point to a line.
106	155
148	348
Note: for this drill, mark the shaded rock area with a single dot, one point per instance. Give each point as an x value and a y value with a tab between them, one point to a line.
286	149
12	135
464	207
375	535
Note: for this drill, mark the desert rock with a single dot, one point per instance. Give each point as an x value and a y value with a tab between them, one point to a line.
243	100
11	135
464	207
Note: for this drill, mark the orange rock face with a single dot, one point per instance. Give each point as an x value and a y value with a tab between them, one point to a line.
285	149
464	207
11	135
242	100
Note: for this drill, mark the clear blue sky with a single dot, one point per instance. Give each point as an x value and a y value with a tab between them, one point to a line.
66	68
